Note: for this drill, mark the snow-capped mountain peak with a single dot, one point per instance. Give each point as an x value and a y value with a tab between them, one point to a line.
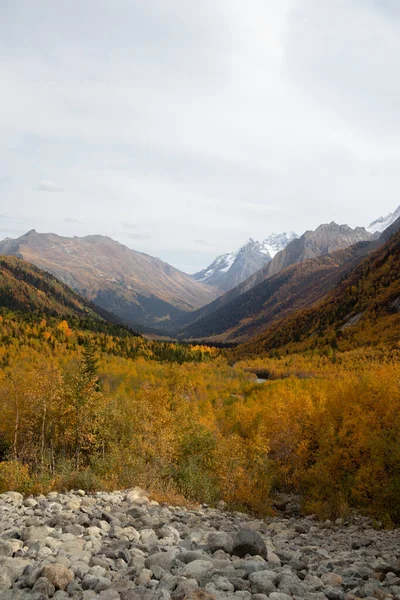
276	242
228	270
384	222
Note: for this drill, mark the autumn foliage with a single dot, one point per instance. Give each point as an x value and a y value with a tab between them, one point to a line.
87	405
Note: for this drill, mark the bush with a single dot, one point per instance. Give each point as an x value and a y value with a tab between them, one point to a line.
14	476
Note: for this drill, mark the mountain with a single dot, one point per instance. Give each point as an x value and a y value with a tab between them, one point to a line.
228	270
27	289
324	240
276	242
136	287
384	222
363	309
312	244
297	286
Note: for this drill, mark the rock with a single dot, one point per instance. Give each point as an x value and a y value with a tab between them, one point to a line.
263	582
15	497
30	502
114	546
248	542
197	568
109	595
200	595
134	494
5	548
5	582
331	579
302	527
44	586
12	568
273	559
220	541
184	588
144	577
160	559
58	575
34	533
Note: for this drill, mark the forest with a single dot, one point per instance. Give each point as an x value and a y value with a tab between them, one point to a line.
89	404
86	409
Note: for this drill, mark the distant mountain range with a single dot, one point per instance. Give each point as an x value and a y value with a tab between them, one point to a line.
234	298
362	309
229	270
140	289
312	244
384	222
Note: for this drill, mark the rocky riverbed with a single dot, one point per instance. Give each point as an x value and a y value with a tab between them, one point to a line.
123	546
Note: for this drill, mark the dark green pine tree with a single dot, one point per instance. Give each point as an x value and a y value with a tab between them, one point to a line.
90	363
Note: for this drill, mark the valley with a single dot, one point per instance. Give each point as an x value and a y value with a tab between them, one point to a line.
289	390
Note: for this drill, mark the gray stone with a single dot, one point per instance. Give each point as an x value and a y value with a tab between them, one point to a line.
109	595
44	586
220	541
250	542
197	569
263	582
160	559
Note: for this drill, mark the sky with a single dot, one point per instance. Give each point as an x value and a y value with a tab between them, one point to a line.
182	128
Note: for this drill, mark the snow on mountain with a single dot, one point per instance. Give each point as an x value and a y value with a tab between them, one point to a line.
276	242
384	222
228	270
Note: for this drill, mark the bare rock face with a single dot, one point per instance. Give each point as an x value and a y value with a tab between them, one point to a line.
225	318
229	270
124	546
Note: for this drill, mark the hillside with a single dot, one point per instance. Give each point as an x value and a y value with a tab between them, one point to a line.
25	288
363	309
226	312
297	286
136	287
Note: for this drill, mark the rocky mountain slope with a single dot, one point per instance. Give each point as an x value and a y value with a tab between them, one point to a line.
25	288
228	270
137	287
123	546
276	242
384	222
312	244
297	286
364	308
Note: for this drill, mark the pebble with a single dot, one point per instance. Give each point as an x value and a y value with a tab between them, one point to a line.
124	546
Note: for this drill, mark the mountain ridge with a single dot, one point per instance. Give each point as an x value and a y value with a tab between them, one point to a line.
325	239
136	286
363	308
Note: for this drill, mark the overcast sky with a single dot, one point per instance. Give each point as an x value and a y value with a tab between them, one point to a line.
183	127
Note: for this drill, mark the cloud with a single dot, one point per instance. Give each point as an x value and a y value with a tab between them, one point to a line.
13	232
139	236
48	186
189	120
200	242
71	220
130	225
